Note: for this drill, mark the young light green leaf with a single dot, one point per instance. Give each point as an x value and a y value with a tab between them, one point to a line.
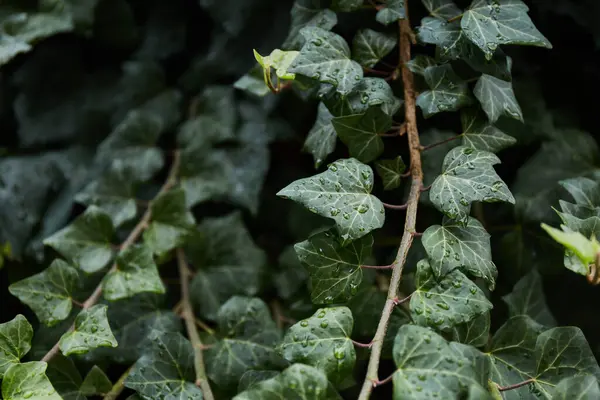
49	293
15	342
91	331
585	249
446	302
423	371
96	383
279	60
335	271
443	9
490	24
585	191
447	91
307	13
343	194
392	11
475	333
171	222
369	92
369	47
28	381
391	172
497	98
167	371
527	298
321	139
465	246
136	273
86	241
323	341
479	134
361	133
249	335
580	387
419	64
467	175
326	57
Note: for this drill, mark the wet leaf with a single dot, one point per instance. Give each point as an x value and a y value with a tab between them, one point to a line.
91	331
497	98
479	134
447	92
476	332
444	9
96	383
419	64
306	13
28	381
369	47
15	342
322	138
361	133
391	12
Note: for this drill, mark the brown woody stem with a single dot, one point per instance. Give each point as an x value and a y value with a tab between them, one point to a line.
416	170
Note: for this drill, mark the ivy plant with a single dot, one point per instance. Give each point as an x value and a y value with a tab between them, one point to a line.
178	263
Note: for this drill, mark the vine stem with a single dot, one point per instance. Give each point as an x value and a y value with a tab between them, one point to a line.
410	115
190	325
118	386
134	235
515	386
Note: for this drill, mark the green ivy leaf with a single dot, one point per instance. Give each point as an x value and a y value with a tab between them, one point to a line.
280	61
391	12
497	98
323	341
335	271
447	91
585	191
447	301
527	298
347	5
167	371
227	261
49	293
447	36
91	331
479	134
465	246
489	25
249	336
343	194
28	381
467	176
251	379
96	383
15	342
136	273
65	377
391	172
306	13
419	64
86	241
581	387
369	92
114	194
475	333
253	82
326	57
361	133
171	222
290	277
443	9
369	46
321	139
423	371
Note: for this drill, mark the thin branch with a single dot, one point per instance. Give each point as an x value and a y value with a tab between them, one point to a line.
202	325
398	301
455	18
382	382
377	266
431	146
395	207
363	345
425	188
190	324
134	235
417	234
394	134
515	386
118	386
413	202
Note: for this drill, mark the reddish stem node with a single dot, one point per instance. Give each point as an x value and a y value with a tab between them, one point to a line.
398	301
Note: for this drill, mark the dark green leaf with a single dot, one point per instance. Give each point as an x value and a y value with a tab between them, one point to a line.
369	46
326	57
308	13
96	383
391	172
321	139
490	24
323	341
447	91
581	387
65	377
252	378
253	82
369	92
419	64
361	133
167	371
433	158
343	194
479	134
444	9
91	331
467	176
228	263
291	276
86	241
527	298
347	5
476	332
171	222
455	245
15	342
28	381
50	293
447	301
335	271
497	98
392	11
447	36
585	191
136	273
